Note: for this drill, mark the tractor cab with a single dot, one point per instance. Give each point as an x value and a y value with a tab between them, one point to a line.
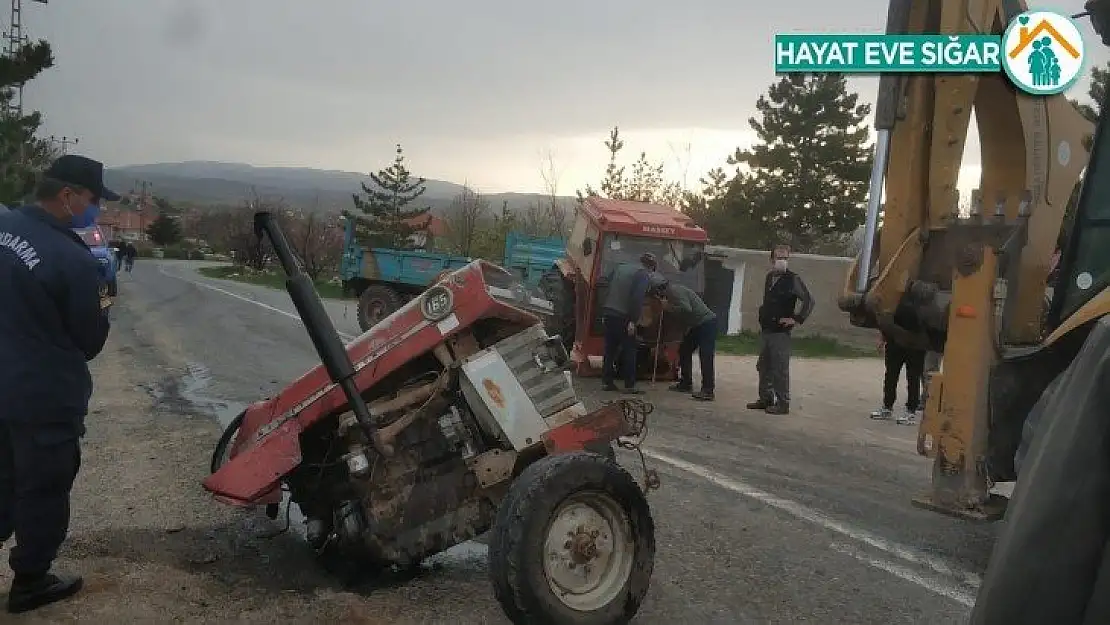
608	233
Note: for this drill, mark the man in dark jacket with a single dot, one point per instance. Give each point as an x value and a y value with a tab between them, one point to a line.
627	285
783	291
701	335
52	322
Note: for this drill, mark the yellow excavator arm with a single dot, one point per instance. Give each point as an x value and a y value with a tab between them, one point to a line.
975	283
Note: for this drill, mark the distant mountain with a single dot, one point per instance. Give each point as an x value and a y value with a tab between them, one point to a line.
214	182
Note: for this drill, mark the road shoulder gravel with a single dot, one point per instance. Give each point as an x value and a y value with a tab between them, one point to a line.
152	545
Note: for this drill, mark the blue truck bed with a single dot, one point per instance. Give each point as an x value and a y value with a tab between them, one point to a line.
527	257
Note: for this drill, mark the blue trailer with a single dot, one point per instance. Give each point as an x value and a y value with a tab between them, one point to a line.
383	279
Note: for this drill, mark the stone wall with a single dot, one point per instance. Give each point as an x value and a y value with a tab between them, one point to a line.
824	275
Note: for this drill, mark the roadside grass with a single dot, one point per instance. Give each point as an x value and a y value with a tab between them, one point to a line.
814	346
271	279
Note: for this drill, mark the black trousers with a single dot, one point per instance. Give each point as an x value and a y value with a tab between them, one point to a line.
702	338
618	344
38	464
914	362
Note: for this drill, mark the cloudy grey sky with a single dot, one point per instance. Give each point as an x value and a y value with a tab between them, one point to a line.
481	91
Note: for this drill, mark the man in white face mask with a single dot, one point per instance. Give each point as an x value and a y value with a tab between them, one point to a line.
786	304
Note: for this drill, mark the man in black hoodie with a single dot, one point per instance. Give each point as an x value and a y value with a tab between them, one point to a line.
52	322
783	291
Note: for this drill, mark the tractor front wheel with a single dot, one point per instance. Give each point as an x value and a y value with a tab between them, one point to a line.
222	453
573	543
377	302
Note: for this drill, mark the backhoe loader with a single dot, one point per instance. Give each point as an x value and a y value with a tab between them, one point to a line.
977	282
1022	394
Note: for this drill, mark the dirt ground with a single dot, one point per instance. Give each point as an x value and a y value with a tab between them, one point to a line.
153	548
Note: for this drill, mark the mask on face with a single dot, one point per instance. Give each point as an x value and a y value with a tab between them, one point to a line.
780	264
85	218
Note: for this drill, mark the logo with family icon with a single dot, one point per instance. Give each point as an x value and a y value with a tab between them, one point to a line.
1043	52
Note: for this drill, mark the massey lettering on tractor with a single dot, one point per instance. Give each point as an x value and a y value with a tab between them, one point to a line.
607	233
452	417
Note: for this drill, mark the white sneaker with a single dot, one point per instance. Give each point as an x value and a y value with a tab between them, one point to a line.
882	414
907	417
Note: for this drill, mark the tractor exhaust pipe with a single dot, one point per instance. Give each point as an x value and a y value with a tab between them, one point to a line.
320	328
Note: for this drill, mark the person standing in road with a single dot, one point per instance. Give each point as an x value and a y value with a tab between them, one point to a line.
896	357
52	322
627	285
779	314
701	336
129	254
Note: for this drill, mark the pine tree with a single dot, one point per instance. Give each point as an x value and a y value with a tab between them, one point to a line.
808	175
386	219
645	183
164	230
22	156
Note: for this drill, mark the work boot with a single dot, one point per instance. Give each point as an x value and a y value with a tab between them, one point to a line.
882	414
703	395
758	404
27	595
680	388
781	407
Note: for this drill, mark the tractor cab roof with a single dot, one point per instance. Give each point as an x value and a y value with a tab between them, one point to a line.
643	219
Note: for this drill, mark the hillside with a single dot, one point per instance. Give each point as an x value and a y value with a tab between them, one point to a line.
213	182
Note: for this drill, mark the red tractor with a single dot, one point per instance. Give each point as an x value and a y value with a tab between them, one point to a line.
452	418
607	233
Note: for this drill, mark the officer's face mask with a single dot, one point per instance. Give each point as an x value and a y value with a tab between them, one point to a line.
82	212
780	264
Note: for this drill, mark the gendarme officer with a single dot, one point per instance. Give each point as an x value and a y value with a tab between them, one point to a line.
52	322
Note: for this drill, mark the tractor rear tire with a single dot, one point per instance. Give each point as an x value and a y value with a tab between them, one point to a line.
377	302
572	510
560	292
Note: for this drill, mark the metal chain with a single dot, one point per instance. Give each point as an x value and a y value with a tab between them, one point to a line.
635	414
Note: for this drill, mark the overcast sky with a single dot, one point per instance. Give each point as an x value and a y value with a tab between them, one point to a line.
481	91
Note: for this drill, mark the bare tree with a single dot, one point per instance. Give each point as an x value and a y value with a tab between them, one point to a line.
317	240
245	247
549	217
464	217
682	157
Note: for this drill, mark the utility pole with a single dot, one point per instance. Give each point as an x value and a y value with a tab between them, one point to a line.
64	141
12	42
143	186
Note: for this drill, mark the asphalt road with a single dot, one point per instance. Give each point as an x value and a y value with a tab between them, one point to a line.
755	524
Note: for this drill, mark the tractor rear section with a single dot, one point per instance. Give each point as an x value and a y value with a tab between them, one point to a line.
607	233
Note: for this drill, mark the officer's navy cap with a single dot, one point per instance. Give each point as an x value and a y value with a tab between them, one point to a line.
83	172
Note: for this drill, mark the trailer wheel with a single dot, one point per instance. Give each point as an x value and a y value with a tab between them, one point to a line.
560	292
377	302
222	453
573	543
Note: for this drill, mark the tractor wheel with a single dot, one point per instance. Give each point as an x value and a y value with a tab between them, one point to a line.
377	302
573	543
560	292
222	453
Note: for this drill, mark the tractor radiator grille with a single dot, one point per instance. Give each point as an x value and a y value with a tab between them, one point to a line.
526	355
